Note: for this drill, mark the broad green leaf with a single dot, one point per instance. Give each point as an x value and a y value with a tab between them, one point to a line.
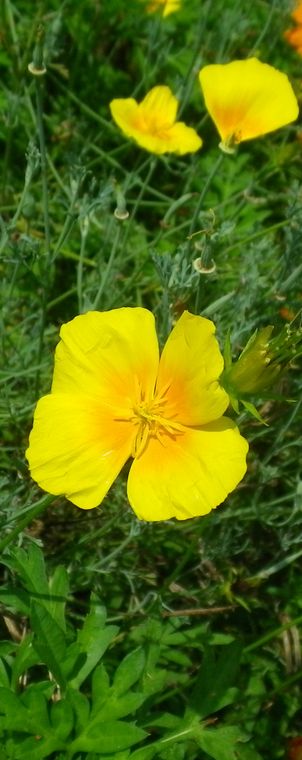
36	748
116	707
16	715
93	640
100	688
25	658
166	720
245	752
220	743
4	677
49	641
129	671
62	719
81	708
36	705
30	566
212	690
59	589
112	736
145	753
17	600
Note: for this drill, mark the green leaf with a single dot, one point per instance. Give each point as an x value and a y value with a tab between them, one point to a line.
81	709
30	566
34	748
116	707
62	719
220	743
17	600
16	714
4	678
49	641
36	705
59	589
212	690
25	658
93	640
129	671
112	736
253	411
100	688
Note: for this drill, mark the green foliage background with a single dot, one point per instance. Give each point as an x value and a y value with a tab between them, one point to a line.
185	601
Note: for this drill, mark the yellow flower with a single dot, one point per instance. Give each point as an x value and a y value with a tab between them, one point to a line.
247	99
165	6
112	398
152	123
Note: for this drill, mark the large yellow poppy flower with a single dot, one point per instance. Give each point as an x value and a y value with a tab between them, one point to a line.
247	99
112	398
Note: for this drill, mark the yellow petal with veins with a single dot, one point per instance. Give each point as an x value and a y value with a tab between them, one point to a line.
189	368
187	474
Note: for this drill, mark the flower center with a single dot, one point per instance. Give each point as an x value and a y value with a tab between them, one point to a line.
150	421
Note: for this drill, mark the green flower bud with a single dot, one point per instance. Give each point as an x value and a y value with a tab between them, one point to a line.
261	362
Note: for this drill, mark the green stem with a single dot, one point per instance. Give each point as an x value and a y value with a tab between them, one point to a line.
108	267
40	126
203	193
273	634
32	513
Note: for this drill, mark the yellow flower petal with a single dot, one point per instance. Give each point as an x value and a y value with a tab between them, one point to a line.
158	108
166	6
77	448
188	474
152	124
107	355
190	366
247	99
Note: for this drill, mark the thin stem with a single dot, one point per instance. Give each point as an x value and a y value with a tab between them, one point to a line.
40	126
273	634
203	193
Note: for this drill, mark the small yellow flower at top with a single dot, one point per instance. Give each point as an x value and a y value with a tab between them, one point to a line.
152	123
247	99
114	397
165	6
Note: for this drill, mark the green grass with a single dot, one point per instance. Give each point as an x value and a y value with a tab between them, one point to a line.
63	252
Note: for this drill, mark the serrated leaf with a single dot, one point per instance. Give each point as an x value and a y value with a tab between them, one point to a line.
114	707
49	641
62	720
25	658
129	671
220	743
30	566
212	690
100	688
93	641
16	715
112	736
81	707
34	748
36	705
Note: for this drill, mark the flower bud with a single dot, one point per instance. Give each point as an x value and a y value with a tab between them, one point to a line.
261	362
